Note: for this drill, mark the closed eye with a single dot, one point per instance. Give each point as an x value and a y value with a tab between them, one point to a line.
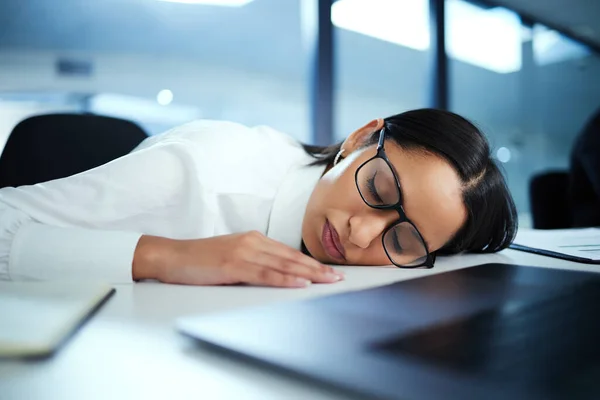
373	190
396	241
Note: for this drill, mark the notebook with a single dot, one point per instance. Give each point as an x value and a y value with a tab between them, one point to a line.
579	245
36	318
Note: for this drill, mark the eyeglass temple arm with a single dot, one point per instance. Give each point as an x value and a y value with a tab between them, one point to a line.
381	137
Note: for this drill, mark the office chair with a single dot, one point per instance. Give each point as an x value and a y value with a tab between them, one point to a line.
585	175
549	200
47	147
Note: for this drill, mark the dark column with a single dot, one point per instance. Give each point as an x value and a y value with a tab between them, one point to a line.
321	74
439	64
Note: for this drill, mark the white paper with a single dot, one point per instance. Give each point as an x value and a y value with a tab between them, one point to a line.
584	243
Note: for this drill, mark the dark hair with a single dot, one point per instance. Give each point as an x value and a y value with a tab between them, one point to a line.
491	222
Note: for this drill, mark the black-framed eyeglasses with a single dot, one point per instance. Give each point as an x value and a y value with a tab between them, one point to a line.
379	188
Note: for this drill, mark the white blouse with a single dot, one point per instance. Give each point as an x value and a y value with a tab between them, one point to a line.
198	180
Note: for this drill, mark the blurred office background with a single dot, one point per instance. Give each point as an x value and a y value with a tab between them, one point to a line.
527	73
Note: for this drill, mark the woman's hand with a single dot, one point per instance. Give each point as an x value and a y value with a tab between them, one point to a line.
248	257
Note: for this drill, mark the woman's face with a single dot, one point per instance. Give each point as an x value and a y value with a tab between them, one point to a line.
432	199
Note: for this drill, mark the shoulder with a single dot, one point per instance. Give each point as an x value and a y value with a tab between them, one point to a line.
213	134
231	157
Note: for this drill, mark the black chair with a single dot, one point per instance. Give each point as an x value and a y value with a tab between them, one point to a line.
47	147
584	193
549	200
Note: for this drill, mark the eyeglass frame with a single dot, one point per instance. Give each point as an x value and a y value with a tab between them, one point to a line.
430	260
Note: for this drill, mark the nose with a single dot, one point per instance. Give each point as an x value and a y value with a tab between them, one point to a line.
366	227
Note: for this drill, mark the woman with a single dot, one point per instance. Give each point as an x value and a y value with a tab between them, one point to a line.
213	203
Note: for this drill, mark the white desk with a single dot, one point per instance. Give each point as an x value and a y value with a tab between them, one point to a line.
130	349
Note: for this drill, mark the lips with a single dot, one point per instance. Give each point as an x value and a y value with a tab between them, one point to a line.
331	242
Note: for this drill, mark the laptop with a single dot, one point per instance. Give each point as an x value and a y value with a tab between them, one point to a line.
492	331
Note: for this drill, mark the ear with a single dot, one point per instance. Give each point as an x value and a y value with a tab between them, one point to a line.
359	137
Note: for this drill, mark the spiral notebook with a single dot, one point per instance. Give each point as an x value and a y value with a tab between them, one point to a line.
579	245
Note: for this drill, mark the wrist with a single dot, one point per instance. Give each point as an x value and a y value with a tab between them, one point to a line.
151	257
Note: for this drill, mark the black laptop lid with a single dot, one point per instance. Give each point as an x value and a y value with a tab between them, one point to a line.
490	331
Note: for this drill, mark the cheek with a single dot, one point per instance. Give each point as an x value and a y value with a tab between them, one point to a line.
374	255
338	191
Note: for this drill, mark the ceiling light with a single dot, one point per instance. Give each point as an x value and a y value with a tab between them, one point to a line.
164	97
224	3
503	155
550	46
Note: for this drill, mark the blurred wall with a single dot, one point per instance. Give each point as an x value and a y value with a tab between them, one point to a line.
250	65
216	91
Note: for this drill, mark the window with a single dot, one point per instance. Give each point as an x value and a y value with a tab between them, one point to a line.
549	46
225	3
488	38
405	23
381	60
486	78
567	92
531	90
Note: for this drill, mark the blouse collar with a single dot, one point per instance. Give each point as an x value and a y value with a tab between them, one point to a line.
291	199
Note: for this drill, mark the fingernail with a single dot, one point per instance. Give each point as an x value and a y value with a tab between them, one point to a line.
303	282
332	277
336	272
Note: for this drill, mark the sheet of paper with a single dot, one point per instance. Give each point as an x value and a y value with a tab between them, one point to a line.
574	242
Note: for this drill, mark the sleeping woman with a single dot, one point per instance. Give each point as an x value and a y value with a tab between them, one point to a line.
214	203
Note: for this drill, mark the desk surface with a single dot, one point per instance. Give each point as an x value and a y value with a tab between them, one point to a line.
131	350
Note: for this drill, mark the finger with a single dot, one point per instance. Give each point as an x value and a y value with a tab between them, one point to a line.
265	276
291	267
283	251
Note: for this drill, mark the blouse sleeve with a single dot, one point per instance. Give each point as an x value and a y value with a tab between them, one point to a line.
83	226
